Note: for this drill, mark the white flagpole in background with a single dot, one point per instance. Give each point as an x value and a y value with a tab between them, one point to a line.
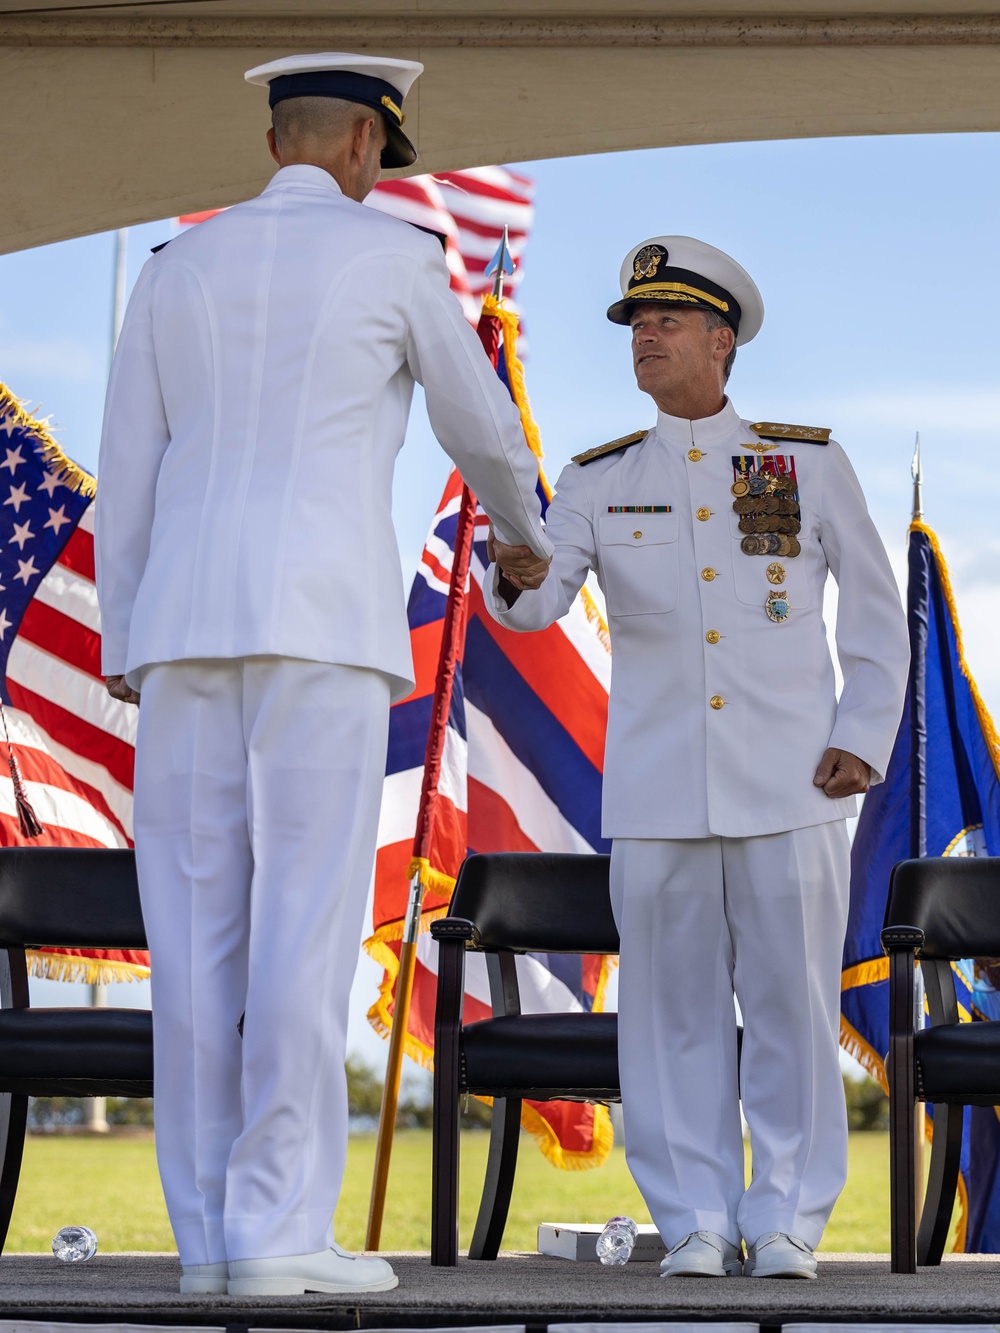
95	1113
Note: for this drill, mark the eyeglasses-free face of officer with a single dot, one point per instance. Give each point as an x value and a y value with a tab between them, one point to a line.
679	355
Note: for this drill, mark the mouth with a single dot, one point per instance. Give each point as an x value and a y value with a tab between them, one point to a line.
649	356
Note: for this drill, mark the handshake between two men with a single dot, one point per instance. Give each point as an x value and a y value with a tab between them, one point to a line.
518	565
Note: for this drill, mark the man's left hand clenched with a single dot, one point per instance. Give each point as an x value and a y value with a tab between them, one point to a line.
841	773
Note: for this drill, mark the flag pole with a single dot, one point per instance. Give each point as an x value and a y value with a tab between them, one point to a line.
917	806
95	1114
452	643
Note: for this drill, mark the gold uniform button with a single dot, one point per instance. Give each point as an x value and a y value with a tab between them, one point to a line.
708	574
694	455
717	701
703	514
637	535
713	636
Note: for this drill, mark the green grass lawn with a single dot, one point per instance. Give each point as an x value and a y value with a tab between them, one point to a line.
111	1185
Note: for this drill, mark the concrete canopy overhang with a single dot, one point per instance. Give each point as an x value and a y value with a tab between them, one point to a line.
120	113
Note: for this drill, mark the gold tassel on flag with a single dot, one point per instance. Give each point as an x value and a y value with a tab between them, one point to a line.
28	822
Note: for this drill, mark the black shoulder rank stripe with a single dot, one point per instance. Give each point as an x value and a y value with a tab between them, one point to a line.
611	447
774	430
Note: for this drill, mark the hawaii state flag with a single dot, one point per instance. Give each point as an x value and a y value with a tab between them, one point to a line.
520	770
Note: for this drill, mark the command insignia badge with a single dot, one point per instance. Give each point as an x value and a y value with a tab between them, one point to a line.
647	261
776	573
777	606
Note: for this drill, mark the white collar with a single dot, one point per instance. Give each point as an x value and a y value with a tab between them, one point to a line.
704	430
301	173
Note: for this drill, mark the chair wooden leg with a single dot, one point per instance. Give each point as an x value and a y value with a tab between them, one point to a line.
13	1125
942	1183
505	1133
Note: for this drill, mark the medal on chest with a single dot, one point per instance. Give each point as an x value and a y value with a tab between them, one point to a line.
766	498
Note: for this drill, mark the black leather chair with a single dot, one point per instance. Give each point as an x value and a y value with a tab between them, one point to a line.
940	910
504	905
68	898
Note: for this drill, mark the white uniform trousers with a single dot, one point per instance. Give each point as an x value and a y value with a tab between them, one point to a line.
701	919
257	792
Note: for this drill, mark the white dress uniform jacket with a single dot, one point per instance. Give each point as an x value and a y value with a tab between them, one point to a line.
718	716
257	402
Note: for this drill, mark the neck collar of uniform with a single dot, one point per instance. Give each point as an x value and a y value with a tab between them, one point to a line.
303	174
705	430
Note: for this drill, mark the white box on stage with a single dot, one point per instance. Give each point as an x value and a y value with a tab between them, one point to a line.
578	1240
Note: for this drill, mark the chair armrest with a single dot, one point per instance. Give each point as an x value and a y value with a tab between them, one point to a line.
450	928
894	938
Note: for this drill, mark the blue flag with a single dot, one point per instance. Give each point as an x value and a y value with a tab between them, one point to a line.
941	797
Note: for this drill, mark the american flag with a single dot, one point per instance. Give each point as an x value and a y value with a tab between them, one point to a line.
73	744
471	208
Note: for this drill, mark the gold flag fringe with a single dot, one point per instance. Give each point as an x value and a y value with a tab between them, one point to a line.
67	472
865	974
519	392
74	967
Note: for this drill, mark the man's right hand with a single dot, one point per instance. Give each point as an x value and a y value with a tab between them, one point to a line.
119	688
518	564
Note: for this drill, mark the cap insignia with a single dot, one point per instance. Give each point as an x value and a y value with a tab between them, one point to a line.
774	430
611	447
647	261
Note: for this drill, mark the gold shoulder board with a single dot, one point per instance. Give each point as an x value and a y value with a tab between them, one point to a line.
600	450
774	430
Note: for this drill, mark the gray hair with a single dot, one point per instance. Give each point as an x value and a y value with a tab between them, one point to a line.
713	320
329	118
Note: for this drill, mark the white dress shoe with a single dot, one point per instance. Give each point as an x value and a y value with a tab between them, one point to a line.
204	1279
295	1274
776	1254
702	1254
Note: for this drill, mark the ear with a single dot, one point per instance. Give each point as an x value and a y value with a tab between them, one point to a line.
725	341
272	146
362	137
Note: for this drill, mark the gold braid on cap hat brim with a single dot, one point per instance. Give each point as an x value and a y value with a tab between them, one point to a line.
679	291
391	106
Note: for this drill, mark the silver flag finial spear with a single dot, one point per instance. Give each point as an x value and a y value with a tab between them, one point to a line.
917	474
500	264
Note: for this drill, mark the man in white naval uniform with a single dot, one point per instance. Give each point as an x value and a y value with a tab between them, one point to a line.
250	588
730	766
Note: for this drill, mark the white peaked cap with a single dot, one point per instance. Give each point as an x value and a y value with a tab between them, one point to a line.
680	270
376	81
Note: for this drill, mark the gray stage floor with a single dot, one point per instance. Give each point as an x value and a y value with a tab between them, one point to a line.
517	1289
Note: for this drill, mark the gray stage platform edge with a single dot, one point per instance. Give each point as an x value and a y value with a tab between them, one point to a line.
526	1290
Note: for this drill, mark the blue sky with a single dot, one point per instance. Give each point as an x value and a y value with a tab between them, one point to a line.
878	263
